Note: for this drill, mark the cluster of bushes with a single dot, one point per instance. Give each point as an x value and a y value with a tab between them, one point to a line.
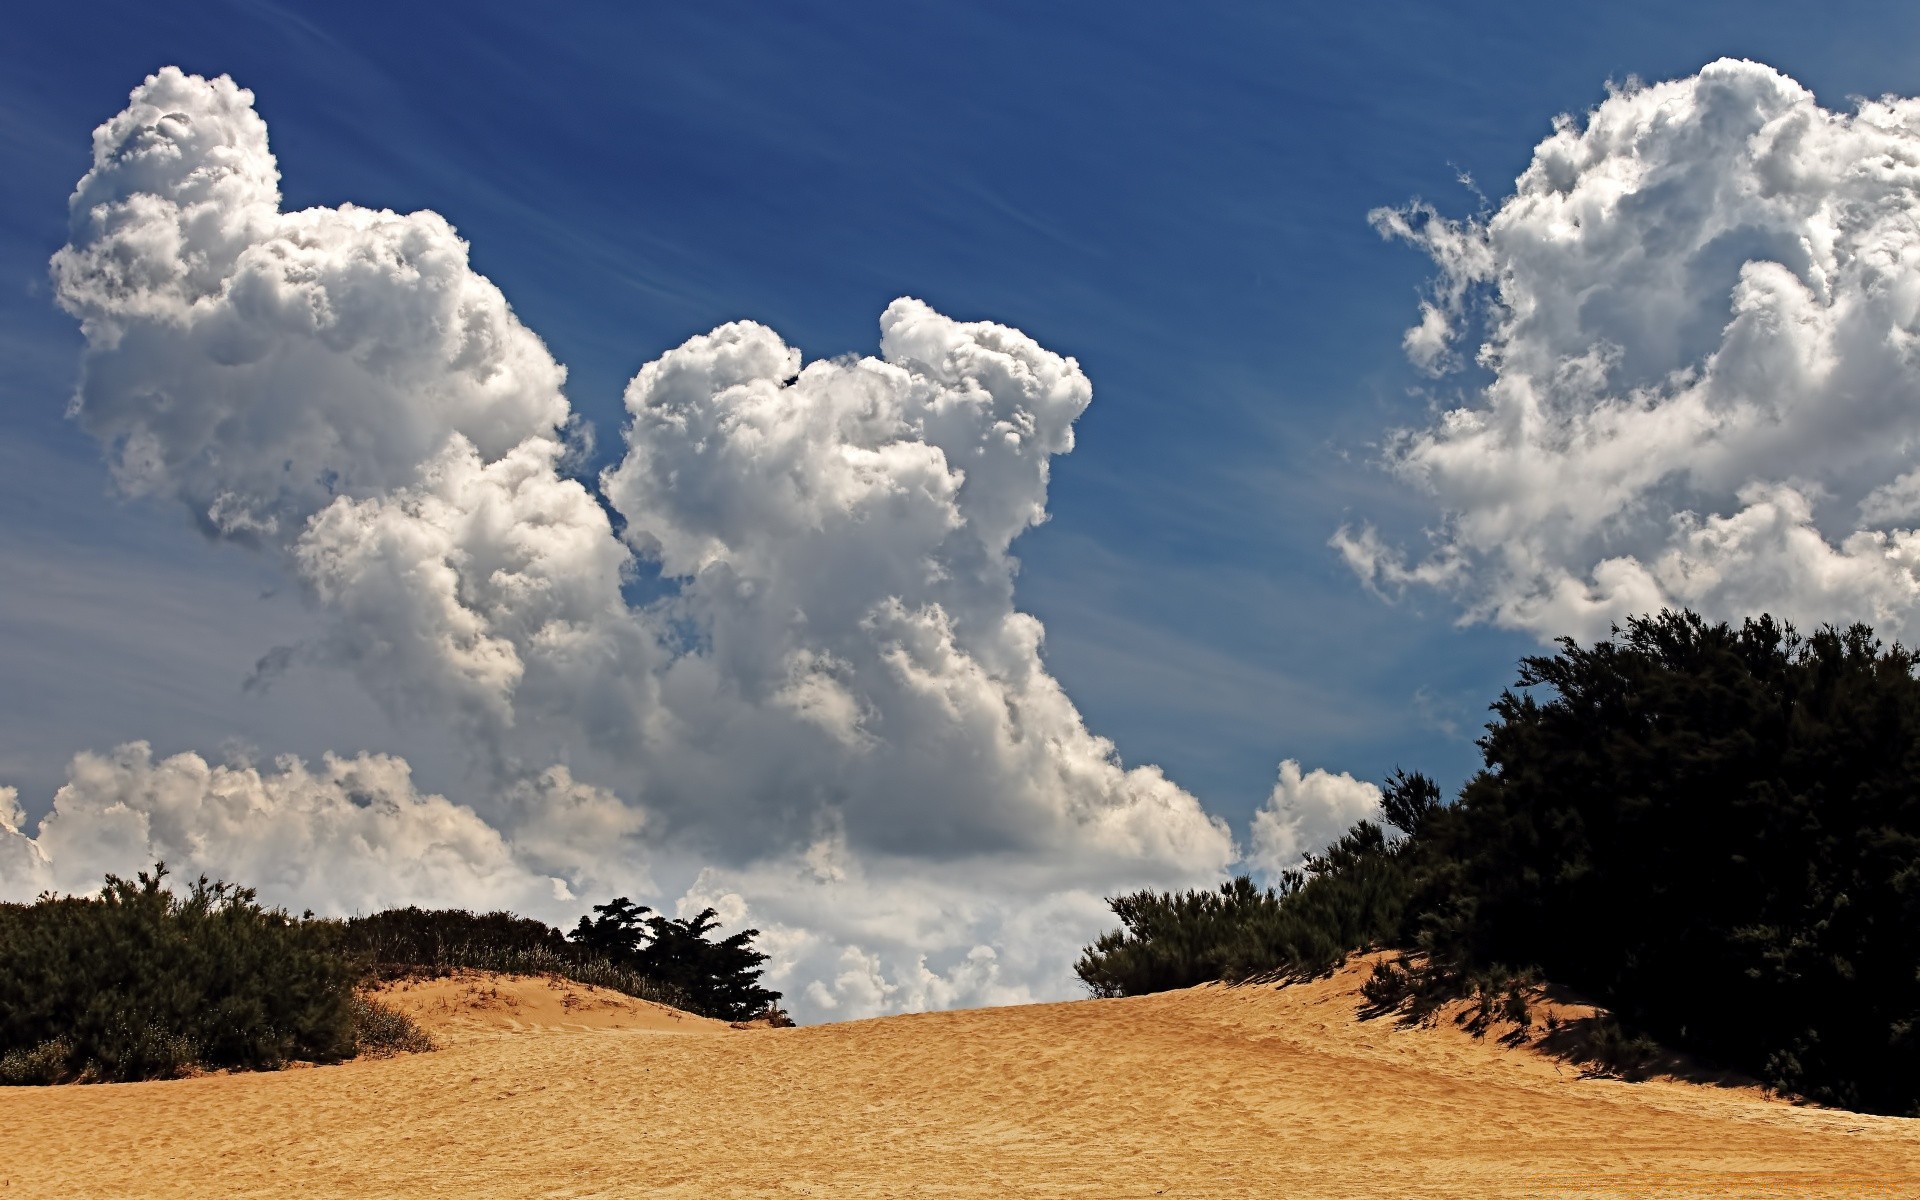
625	947
1713	831
1354	894
139	982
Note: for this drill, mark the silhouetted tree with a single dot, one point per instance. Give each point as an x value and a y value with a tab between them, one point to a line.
1716	832
720	978
619	933
1409	801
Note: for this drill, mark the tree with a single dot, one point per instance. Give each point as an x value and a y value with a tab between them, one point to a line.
1713	831
721	978
618	934
1716	832
1409	801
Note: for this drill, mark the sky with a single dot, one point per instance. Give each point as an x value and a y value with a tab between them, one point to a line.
1149	431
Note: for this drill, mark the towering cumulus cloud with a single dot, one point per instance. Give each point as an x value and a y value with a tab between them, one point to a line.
835	707
1699	310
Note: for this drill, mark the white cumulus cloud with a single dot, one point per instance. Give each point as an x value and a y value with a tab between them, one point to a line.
835	704
1307	812
1698	310
348	835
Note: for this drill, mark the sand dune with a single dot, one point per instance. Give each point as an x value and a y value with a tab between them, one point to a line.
1211	1092
467	1007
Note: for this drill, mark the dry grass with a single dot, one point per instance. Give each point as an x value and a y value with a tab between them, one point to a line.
1210	1092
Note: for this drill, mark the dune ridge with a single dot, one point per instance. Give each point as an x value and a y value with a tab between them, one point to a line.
1210	1092
467	1006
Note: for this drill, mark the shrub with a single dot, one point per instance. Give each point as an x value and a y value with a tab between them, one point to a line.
379	1029
1715	832
141	983
414	941
1712	831
1351	896
42	1064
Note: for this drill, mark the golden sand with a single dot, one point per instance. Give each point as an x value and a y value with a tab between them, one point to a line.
560	1091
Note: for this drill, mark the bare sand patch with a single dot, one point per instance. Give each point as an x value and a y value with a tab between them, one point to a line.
1210	1092
476	1004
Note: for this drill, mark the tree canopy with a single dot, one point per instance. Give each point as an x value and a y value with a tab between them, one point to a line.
720	978
1713	830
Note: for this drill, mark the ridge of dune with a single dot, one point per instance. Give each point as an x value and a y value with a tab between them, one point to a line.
465	1005
1210	1092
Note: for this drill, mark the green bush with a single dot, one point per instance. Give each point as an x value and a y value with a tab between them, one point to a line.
378	1029
1351	896
141	983
413	941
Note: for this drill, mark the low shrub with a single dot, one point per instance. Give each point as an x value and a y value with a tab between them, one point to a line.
1351	896
409	942
141	983
41	1064
138	982
380	1029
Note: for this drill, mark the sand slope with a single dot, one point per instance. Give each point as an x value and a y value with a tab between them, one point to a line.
1212	1092
471	1006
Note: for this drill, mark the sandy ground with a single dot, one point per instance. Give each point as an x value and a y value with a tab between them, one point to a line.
1213	1092
473	1007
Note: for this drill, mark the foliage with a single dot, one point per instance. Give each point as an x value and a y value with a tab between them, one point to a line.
378	1029
414	941
1351	896
1410	802
405	942
141	983
1712	831
1716	833
718	978
1413	988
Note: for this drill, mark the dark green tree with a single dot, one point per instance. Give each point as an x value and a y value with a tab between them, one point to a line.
720	978
619	933
1712	830
1408	802
1716	832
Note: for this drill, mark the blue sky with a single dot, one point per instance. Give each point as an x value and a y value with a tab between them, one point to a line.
1178	201
1177	197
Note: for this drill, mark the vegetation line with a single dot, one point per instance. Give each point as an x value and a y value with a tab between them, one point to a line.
140	982
1712	831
